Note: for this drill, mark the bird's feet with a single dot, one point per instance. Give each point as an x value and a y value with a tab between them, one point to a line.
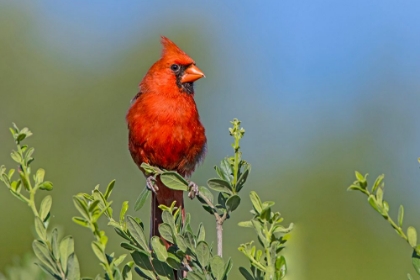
151	184
193	187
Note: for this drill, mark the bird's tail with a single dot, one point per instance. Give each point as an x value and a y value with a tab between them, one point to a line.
164	196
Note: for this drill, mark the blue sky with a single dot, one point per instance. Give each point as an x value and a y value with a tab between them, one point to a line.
307	63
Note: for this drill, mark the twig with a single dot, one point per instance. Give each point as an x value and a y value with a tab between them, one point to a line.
219	224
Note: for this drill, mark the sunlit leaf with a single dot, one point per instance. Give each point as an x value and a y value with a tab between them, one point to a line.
42	253
136	232
66	249
73	269
99	251
166	232
109	189
203	253
256	201
217	267
144	195
400	216
219	185
159	248
44	209
233	202
143	261
412	236
40	229
174	181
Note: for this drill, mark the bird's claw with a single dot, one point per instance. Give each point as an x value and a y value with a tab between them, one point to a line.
151	184
193	187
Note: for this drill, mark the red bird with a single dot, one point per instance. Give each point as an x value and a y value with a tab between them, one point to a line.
164	125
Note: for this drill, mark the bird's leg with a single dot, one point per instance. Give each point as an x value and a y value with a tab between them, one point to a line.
193	188
151	183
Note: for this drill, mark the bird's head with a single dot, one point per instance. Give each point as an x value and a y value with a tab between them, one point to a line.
176	66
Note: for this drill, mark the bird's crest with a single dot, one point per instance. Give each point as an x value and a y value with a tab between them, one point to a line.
173	51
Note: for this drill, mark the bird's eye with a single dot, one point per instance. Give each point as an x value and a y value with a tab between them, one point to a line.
174	67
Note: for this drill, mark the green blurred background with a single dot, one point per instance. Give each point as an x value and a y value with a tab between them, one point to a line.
323	88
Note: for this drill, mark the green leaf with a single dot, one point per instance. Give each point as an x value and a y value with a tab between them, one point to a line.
163	270
377	182
99	251
168	219
242	178
73	269
245	273
159	248
372	202
203	254
81	221
81	206
144	195
225	171
400	216
24	180
385	206
42	253
93	206
356	187
190	241
148	169
40	229
361	179
233	202
46	269
228	267
415	259
412	236
195	275
247	224
130	247
143	261
409	276
219	185
109	189
46	186
28	155
54	243
5	179
181	243
256	201
124	209
16	157
119	260
379	195
39	176
136	232
201	233
217	267
203	191
174	261
122	233
45	207
166	232
126	273
281	266
258	228
174	181
66	249
282	229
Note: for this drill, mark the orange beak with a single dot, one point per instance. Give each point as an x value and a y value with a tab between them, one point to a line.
191	74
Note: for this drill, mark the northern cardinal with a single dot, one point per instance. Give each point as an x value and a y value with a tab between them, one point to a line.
164	125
